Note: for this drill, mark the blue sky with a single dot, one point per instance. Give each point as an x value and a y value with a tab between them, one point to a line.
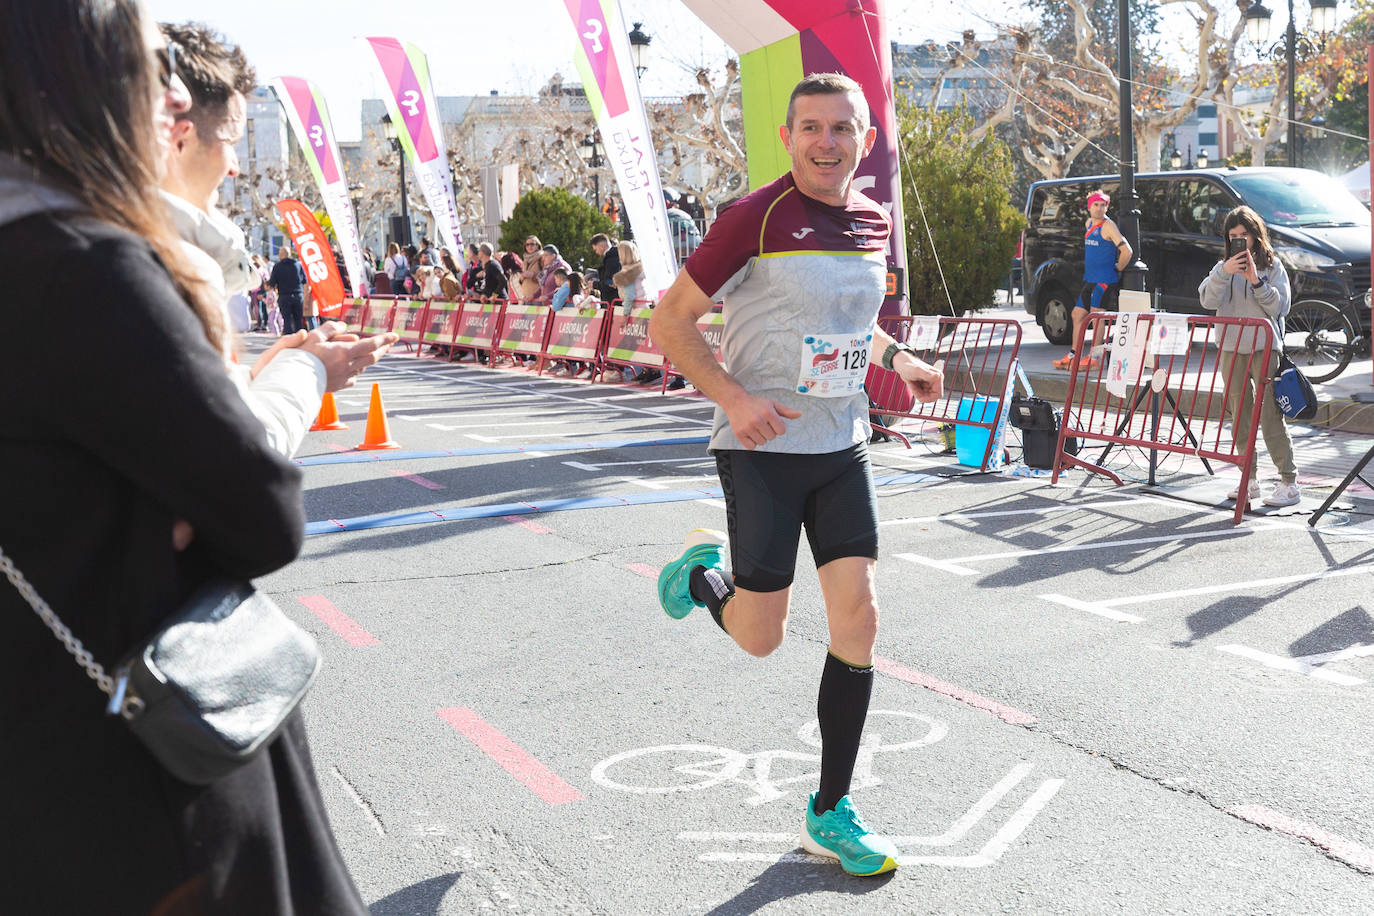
513	46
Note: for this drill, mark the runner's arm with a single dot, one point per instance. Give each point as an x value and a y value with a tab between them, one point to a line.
1124	252
925	382
673	326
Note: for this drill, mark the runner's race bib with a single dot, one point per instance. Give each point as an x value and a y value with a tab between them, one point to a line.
834	365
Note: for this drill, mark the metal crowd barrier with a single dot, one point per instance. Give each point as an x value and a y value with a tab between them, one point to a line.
980	369
1154	385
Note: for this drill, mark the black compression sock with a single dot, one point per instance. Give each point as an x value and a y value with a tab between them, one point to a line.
712	587
841	708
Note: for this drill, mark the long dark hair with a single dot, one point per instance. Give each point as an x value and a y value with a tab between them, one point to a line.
1253	223
77	90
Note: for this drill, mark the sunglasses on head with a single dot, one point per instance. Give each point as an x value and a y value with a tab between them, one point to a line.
167	63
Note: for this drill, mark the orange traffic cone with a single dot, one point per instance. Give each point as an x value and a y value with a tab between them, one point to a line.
329	415
378	434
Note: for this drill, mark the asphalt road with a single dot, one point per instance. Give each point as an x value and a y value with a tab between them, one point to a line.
1092	699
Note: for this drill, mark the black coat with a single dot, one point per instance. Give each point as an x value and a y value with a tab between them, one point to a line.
102	446
605	275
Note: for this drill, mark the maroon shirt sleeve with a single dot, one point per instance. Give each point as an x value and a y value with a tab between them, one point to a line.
732	241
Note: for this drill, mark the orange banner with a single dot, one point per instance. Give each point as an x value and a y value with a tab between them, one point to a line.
317	260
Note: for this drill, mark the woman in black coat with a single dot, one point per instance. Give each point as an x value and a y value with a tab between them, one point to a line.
130	472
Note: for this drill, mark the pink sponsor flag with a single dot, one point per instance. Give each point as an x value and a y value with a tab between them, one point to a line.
410	100
608	76
309	118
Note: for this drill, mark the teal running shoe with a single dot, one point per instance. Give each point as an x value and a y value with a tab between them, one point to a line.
841	834
702	547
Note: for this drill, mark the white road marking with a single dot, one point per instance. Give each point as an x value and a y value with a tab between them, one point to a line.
611	464
992	851
1246	585
1042	510
646	484
1127	542
450	428
1359	650
479	379
1099	609
941	565
1292	664
641	434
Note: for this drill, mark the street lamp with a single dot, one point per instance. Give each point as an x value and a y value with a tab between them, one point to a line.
1202	159
1258	20
1176	160
389	130
639	48
591	152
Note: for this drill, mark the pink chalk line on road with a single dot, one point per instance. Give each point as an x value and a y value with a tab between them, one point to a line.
415	478
1348	851
514	759
527	524
912	676
338	621
644	569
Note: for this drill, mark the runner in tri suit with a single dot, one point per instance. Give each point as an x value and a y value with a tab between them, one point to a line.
1105	255
800	266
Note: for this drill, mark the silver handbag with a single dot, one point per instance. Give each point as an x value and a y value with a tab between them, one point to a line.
212	688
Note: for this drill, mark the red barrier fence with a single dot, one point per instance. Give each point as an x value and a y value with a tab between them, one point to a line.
522	329
980	363
1155	386
628	342
477	325
408	321
575	335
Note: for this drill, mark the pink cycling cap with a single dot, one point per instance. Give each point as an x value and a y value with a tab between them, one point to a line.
1096	196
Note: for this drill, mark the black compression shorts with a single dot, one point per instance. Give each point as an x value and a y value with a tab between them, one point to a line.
771	496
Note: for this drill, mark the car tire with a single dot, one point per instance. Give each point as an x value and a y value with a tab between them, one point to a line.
1056	315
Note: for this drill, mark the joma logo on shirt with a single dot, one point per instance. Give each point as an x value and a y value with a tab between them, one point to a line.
803	233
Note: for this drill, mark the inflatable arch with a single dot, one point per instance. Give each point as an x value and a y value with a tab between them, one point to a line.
779	42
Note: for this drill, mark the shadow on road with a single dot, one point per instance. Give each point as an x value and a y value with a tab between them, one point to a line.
795	879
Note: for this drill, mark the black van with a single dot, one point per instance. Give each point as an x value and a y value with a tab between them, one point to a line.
1318	228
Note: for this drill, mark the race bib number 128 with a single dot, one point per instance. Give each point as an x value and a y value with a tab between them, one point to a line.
834	365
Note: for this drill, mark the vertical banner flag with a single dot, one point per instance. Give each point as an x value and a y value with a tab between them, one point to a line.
309	118
612	87
414	112
312	246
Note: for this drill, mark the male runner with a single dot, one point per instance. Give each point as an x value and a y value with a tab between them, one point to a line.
1105	255
800	265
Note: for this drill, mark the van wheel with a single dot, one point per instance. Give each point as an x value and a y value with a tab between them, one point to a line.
1056	315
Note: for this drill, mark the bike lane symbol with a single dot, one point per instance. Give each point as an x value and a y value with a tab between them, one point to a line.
666	769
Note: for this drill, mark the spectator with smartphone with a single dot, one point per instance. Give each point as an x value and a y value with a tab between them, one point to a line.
1251	283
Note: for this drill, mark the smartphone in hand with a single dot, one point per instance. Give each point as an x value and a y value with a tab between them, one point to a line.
1234	246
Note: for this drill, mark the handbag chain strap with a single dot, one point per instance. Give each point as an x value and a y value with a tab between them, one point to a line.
78	651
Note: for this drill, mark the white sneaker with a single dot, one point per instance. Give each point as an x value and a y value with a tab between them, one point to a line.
1285	494
1254	491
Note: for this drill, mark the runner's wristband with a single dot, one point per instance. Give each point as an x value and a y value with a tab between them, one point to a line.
891	353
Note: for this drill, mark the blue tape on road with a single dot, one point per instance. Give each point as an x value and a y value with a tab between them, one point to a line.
361	457
462	513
